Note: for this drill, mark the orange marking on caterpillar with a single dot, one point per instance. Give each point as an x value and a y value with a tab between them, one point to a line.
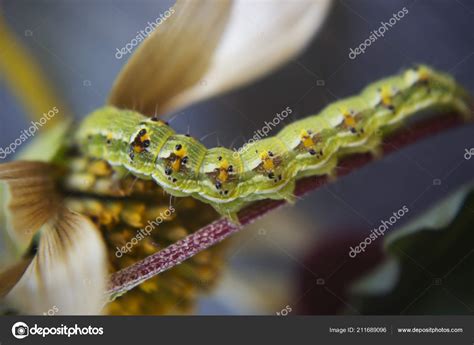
306	139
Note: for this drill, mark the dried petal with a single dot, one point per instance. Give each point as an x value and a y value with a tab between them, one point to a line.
68	271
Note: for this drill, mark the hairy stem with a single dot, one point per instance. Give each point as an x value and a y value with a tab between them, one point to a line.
173	255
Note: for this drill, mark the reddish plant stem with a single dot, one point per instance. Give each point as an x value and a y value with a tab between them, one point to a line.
220	229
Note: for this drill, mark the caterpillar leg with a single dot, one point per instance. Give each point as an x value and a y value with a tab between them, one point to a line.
376	152
287	193
291	199
119	175
371	145
228	211
233	217
374	146
332	176
328	167
465	109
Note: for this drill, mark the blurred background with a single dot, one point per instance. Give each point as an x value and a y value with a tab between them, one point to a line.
292	259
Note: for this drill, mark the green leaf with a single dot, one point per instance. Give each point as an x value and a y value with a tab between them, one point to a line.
430	269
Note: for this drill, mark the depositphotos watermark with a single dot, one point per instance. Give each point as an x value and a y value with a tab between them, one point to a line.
27	133
469	153
377	232
263	132
51	311
146	231
377	33
21	330
142	34
285	311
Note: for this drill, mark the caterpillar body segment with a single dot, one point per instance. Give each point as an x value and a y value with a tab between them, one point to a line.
267	169
220	175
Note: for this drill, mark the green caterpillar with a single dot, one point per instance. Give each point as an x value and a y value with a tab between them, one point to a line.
267	169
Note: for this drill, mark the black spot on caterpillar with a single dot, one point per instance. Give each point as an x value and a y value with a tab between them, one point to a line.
229	180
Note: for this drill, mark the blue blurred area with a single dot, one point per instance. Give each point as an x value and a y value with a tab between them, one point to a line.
75	42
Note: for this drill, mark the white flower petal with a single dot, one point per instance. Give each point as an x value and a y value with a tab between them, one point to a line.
68	274
261	36
208	47
173	58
